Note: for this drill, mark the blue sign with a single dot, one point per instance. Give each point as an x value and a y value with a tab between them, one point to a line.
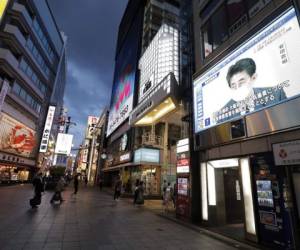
146	155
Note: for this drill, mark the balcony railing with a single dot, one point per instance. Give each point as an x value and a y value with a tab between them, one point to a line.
151	139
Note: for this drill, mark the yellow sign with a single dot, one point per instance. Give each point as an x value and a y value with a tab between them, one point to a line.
3	4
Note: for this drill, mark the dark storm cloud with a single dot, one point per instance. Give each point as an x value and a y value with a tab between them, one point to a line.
91	27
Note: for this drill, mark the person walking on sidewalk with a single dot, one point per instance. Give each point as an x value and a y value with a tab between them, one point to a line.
58	190
168	197
118	187
76	183
136	190
140	195
38	189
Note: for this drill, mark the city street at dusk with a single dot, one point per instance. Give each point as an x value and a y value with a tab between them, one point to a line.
175	123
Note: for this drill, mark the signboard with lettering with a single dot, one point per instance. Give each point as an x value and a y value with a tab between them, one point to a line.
47	129
287	153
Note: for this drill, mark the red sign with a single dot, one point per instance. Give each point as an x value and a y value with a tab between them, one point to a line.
183	162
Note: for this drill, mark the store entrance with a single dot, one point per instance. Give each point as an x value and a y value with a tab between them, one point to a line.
233	198
230	202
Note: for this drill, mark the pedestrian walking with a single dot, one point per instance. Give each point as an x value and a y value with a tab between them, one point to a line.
38	189
76	183
118	187
100	184
164	188
140	194
174	196
86	180
136	188
168	197
58	190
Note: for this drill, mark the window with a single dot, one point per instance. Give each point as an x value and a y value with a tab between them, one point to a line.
38	56
16	89
43	39
26	97
227	19
236	14
29	72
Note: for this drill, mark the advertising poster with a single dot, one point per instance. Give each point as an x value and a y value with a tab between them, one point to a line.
15	137
63	144
124	81
262	72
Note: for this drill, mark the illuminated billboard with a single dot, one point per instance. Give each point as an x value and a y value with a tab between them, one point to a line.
262	72
159	59
47	129
124	80
15	137
63	144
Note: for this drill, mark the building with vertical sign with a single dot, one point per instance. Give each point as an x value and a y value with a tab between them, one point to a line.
246	123
142	137
32	76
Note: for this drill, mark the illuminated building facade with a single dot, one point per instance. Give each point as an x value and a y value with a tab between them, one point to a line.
246	131
32	55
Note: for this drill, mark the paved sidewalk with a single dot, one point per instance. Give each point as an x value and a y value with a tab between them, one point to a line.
90	220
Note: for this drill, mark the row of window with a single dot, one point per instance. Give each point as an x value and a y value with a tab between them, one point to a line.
228	18
43	39
38	57
30	73
23	94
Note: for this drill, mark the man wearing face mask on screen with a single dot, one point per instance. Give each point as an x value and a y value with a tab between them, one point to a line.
245	98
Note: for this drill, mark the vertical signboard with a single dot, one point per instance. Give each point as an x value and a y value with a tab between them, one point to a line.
183	178
47	129
92	122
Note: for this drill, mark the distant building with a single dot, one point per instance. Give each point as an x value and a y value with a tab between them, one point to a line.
32	72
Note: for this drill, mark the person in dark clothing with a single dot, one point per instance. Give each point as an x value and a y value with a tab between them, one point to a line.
135	195
118	187
76	182
86	180
140	194
38	189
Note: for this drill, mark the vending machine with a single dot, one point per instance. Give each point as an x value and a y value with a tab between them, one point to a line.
273	203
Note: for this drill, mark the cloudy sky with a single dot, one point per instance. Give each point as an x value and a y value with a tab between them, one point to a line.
91	27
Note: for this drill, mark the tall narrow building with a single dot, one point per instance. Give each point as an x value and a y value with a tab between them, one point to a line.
32	72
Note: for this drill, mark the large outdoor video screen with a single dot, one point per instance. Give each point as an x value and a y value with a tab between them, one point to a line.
124	81
261	72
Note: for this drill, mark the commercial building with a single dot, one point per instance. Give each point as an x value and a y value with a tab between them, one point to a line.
146	122
32	61
246	123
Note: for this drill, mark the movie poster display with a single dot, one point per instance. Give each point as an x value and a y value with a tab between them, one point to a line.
15	137
124	80
262	72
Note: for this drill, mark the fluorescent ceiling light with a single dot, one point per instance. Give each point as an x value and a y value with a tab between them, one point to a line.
226	163
161	110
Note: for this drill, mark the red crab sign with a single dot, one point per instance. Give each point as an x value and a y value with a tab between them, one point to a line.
15	137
